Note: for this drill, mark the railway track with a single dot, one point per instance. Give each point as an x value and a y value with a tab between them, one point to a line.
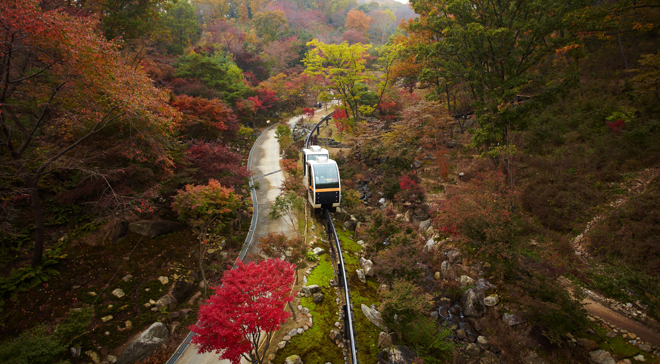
340	271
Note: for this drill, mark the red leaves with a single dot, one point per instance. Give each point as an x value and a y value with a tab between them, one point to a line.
339	114
308	112
616	126
250	299
212	160
208	113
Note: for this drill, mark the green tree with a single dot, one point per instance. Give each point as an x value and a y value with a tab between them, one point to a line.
130	19
495	47
215	71
181	23
344	67
270	25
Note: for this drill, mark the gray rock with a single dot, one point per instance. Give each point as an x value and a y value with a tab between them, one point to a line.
281	344
472	303
472	350
601	357
145	344
421	213
437	276
153	228
368	267
430	245
424	225
182	288
318	297
532	358
483	343
447	271
118	293
350	225
492	300
511	319
466	281
167	301
335	335
384	340
293	359
318	251
416	164
454	256
461	334
119	231
397	355
308	291
645	347
361	276
127	278
640	358
374	317
382	201
484	285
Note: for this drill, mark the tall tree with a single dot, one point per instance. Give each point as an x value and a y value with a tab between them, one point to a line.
357	20
64	92
248	304
344	67
181	23
270	25
130	19
495	47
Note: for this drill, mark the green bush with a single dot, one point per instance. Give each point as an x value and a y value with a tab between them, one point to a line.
39	345
429	341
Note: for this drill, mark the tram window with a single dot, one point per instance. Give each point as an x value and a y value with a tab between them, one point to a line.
313	157
326	176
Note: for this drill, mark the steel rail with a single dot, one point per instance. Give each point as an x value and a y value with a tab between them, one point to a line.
333	232
348	313
316	127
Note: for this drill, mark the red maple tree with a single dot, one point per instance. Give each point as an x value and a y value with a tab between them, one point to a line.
248	304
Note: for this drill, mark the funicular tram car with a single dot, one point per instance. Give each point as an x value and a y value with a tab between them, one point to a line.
323	184
311	154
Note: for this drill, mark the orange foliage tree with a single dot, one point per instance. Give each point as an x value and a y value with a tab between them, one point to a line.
357	20
65	94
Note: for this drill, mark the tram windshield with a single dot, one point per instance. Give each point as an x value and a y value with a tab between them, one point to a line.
326	176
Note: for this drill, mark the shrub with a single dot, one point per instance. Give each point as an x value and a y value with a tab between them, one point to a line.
40	345
400	261
208	206
402	303
212	160
482	212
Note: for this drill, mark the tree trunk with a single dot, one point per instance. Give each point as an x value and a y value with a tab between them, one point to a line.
38	213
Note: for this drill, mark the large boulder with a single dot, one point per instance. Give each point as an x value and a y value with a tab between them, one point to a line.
308	291
368	267
447	271
168	301
384	340
361	276
472	303
145	344
374	317
182	288
397	355
293	359
601	357
153	228
350	225
424	225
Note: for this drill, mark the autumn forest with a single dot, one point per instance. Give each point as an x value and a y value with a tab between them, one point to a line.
506	150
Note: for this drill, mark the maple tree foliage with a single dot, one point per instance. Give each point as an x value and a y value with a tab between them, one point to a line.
213	160
353	36
63	86
206	118
357	20
250	299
